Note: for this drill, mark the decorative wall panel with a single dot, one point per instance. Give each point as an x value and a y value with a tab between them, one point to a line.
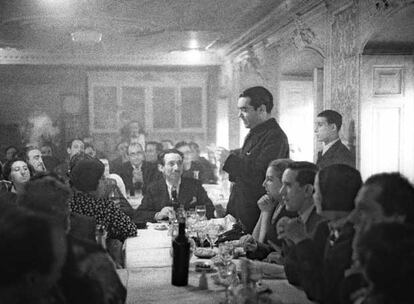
345	67
387	81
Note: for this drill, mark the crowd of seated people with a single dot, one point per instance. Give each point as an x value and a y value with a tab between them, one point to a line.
338	239
337	256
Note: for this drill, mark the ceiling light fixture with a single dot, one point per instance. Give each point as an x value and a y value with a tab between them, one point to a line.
193	44
86	36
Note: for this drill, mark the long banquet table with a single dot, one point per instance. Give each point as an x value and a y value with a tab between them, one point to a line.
148	276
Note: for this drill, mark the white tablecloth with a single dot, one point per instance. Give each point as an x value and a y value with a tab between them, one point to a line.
148	276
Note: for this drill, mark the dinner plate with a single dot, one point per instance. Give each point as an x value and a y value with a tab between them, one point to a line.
204	253
160	226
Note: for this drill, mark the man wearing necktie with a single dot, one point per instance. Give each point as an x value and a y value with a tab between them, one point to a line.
165	195
137	173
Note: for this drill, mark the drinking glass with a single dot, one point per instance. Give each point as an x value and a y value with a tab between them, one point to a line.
201	225
212	235
227	277
202	236
191	221
226	252
201	211
256	272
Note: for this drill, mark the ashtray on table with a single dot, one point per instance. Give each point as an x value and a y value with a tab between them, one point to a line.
201	266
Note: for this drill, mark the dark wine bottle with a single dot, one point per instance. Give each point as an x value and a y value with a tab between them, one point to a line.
181	254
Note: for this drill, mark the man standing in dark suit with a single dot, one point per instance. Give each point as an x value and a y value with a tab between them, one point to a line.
137	174
328	124
247	166
157	203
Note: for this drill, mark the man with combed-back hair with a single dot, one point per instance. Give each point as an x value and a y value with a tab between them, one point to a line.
247	166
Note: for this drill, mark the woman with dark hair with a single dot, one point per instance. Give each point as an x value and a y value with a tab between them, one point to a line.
18	173
386	254
318	264
88	182
89	274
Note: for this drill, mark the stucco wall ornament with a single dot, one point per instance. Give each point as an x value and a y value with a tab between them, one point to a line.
251	63
302	35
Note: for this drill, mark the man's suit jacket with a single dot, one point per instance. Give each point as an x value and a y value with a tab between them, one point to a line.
150	174
191	194
247	169
291	266
337	154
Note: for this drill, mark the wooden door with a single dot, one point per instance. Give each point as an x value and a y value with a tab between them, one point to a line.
387	115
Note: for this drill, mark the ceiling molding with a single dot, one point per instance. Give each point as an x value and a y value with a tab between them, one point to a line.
14	56
277	20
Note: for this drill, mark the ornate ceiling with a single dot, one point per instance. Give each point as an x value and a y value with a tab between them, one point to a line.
128	27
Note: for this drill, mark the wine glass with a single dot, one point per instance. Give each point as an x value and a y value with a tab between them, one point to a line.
201	231
226	252
256	272
191	222
212	234
227	277
201	211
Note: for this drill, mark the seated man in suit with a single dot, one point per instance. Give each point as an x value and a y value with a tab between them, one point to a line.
297	195
157	202
137	173
328	124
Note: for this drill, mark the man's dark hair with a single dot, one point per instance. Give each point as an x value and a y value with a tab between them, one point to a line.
194	145
26	245
259	96
46	193
386	254
181	144
156	144
306	172
90	146
28	149
332	117
161	155
10	147
69	143
339	185
396	196
120	143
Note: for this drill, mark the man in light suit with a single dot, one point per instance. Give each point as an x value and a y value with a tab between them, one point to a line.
328	124
157	203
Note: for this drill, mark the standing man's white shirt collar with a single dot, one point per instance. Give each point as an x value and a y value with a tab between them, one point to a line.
327	146
171	186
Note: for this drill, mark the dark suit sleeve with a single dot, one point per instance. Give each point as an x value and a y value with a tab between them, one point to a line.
126	174
251	169
147	210
260	253
304	264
